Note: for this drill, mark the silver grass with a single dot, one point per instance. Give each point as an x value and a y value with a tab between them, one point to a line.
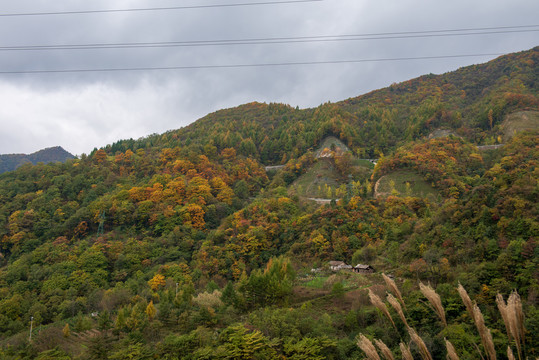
380	305
504	311
510	355
490	346
451	353
484	333
368	348
516	320
392	286
397	306
423	350
516	304
466	300
386	352
434	300
406	353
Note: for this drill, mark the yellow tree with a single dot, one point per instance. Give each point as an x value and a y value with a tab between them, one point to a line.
226	195
229	154
65	331
183	166
196	216
156	192
217	184
157	282
100	155
128	155
319	244
151	311
198	189
175	190
138	193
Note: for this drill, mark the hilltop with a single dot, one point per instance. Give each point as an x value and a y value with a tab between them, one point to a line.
9	162
472	102
182	245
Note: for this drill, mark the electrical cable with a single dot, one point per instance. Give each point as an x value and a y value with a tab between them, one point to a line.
76	12
328	38
282	40
191	67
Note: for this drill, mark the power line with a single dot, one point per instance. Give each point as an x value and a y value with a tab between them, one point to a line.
259	41
191	67
158	8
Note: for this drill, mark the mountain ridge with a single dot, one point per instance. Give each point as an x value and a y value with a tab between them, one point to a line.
472	101
10	162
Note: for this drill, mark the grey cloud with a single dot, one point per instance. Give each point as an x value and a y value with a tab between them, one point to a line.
99	108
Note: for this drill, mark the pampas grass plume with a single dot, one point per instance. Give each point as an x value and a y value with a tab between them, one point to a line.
380	305
451	353
397	306
502	307
388	355
406	353
368	348
466	300
510	355
434	300
484	333
513	318
516	305
423	350
393	287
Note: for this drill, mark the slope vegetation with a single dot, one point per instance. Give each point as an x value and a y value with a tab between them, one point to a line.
472	102
180	246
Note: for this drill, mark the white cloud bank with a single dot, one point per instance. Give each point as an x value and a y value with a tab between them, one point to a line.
83	111
81	117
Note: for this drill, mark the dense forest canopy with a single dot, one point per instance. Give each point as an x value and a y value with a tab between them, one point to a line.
182	245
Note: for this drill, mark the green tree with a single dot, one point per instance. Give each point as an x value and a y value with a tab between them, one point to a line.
241	189
271	286
242	344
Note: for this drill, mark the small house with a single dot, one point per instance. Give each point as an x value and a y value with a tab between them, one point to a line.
339	265
363	269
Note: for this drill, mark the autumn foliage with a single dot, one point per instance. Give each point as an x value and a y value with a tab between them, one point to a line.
182	243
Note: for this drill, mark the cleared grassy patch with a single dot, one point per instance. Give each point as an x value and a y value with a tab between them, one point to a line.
363	163
438	133
321	175
322	179
330	142
519	121
405	183
317	282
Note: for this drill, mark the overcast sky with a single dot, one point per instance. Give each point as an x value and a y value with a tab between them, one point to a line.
80	111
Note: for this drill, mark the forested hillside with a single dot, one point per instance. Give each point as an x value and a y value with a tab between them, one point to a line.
182	246
472	101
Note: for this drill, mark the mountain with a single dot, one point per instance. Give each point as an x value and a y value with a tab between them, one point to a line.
182	246
10	162
472	102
